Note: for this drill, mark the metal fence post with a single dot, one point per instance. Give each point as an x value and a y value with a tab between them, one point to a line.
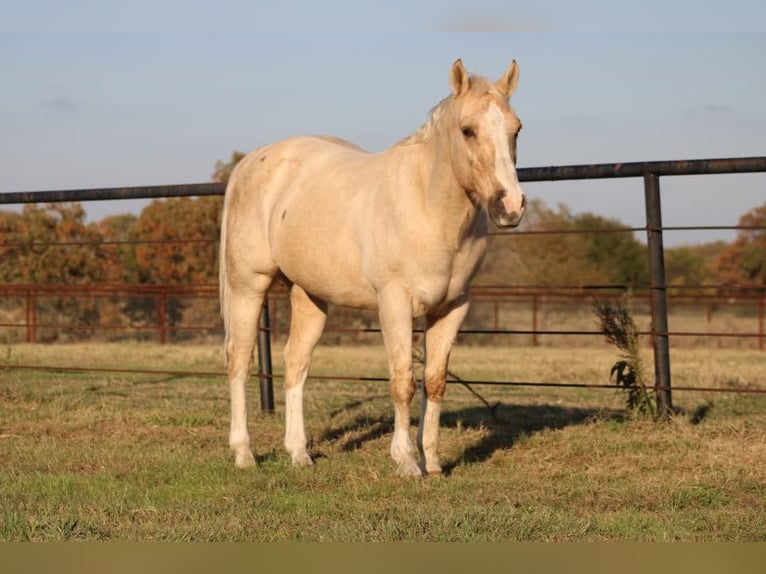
761	296
30	317
161	316
265	372
657	294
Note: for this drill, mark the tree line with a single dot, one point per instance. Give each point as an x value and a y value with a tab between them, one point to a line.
174	241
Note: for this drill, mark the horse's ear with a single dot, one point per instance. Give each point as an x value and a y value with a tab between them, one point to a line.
459	78
507	84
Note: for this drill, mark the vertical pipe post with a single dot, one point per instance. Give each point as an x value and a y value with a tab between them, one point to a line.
275	323
265	372
761	296
29	314
161	316
657	294
33	314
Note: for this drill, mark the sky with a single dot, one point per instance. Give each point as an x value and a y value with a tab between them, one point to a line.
115	94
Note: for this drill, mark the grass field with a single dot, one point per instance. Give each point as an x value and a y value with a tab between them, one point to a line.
109	456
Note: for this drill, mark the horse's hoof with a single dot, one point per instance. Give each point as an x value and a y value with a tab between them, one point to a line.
409	468
244	459
302	460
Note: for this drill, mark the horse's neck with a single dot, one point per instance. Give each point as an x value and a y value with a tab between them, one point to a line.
444	195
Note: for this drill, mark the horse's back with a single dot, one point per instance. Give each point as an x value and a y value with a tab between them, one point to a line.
270	170
294	207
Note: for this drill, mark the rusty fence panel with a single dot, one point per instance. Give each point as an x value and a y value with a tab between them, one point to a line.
530	310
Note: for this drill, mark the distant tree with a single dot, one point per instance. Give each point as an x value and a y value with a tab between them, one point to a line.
744	261
51	245
561	250
122	232
223	169
612	248
181	234
540	258
560	259
684	266
182	231
693	265
10	271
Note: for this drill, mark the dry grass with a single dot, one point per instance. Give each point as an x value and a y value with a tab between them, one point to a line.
143	457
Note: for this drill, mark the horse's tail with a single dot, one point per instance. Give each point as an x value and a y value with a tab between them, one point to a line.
223	282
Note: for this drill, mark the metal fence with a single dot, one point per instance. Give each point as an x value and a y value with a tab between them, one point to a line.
650	172
522	314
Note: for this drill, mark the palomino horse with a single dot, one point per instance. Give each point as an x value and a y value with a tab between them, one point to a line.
403	231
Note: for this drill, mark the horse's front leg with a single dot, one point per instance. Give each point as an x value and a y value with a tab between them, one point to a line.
441	331
396	324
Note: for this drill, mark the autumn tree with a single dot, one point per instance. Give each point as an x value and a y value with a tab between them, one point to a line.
223	169
9	250
51	245
176	245
120	233
175	242
693	266
743	263
179	236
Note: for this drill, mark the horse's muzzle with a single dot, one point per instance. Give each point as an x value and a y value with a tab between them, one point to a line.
504	211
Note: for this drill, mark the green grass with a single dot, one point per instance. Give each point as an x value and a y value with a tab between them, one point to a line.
98	456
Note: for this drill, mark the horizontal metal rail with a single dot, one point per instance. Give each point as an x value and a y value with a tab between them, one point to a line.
526	174
577	296
638	169
113	193
363	379
501	292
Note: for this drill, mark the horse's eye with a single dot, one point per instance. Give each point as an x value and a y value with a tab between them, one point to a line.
468	132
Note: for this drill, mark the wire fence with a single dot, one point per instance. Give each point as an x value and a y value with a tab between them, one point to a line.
28	316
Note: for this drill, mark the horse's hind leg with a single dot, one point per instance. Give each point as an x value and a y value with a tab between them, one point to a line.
307	321
243	313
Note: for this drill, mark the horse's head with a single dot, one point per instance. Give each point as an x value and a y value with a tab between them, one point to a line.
483	133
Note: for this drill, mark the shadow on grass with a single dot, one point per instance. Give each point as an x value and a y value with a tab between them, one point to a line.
358	431
701	413
361	429
504	425
266	457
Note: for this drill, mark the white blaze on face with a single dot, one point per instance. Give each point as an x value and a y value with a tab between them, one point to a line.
505	170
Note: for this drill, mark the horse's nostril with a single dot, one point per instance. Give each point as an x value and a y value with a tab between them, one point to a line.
523	201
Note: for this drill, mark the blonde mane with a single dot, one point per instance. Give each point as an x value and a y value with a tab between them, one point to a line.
424	132
478	86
